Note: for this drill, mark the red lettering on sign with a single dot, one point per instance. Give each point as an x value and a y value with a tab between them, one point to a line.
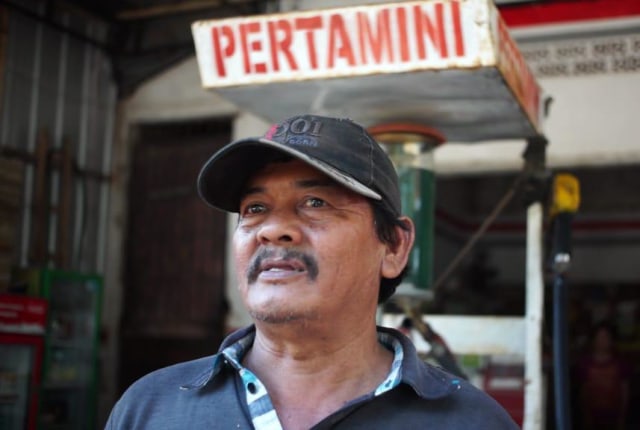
435	31
281	46
247	49
377	42
310	25
457	28
401	17
219	52
339	43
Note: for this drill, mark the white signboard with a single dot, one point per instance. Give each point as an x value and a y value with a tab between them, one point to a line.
338	42
451	60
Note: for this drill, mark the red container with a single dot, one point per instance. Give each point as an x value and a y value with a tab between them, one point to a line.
22	327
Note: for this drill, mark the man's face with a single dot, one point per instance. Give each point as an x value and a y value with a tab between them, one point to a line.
305	247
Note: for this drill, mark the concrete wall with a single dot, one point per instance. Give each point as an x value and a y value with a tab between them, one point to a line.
173	96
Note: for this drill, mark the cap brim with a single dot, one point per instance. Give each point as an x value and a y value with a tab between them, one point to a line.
223	176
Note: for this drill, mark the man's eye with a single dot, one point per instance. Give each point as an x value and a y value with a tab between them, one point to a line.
253	209
314	202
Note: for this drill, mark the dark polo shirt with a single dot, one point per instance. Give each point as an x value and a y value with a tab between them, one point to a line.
208	393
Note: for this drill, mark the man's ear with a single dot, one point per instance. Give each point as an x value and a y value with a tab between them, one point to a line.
397	255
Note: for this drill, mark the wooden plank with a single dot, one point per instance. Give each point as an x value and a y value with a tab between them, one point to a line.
65	167
11	190
8	231
39	226
11	183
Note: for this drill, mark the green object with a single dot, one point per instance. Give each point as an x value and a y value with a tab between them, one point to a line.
68	395
418	195
417	188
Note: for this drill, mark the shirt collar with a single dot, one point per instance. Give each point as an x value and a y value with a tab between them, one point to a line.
219	361
427	381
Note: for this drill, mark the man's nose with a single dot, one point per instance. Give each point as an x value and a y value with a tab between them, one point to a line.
280	227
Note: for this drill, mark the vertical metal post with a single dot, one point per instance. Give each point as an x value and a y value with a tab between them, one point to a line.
560	355
564	203
534	387
534	391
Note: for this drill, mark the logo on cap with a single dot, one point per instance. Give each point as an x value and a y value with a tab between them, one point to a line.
299	132
271	132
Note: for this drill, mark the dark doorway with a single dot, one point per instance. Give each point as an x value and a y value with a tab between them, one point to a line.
174	303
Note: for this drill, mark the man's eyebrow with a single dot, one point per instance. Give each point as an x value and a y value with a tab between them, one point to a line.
251	190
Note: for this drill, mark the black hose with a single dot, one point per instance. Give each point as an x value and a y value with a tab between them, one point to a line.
560	356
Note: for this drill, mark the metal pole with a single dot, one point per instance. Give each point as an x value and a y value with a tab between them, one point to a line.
560	356
534	398
566	199
534	387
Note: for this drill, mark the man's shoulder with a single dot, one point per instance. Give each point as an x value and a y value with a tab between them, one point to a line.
175	395
175	375
431	393
468	404
465	407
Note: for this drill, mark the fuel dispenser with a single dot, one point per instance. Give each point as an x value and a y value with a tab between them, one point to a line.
406	142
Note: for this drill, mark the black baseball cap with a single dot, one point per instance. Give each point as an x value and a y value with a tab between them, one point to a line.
338	147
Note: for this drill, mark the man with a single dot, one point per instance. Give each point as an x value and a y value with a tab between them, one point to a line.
320	242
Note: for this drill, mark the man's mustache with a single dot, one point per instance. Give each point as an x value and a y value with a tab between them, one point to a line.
310	263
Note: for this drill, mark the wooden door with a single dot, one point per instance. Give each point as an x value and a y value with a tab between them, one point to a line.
174	303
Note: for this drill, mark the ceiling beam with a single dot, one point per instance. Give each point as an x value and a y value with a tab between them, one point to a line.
167	9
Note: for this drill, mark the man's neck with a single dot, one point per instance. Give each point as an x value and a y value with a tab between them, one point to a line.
308	379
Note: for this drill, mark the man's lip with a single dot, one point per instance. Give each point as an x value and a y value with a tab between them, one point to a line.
278	264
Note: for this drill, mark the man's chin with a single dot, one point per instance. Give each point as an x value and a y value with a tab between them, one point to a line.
274	318
281	316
